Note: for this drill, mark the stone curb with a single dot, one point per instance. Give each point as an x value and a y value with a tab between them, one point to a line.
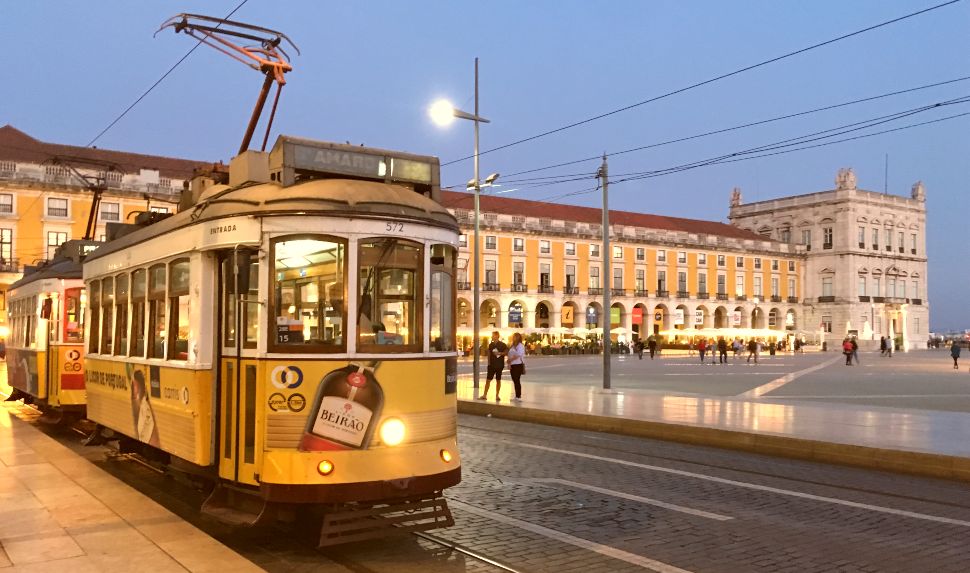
899	461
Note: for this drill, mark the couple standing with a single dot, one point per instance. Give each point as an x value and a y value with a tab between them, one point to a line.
497	353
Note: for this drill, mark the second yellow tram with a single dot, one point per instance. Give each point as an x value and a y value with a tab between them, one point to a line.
292	336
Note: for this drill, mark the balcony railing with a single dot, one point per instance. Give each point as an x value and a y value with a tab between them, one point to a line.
570	290
864	298
901	249
916	300
875	246
826	299
740	297
9	266
519	287
827	246
775	298
878	299
722	296
912	251
490	287
594	291
617	292
545	289
464	286
662	294
641	293
793	299
703	295
683	294
889	247
862	245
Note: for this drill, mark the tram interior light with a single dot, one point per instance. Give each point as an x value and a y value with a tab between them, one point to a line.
392	431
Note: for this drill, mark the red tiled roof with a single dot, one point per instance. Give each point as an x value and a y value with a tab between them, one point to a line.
16	145
507	206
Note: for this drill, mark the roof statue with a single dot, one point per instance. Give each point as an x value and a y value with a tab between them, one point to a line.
845	179
919	191
736	197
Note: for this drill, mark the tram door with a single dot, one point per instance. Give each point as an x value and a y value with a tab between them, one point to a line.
239	391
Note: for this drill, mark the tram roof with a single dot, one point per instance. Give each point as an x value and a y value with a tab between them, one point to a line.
329	197
66	263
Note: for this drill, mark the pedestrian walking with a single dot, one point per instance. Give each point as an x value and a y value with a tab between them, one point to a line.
497	351
640	348
890	344
752	349
882	346
855	350
955	354
847	350
516	354
702	348
722	350
652	345
737	346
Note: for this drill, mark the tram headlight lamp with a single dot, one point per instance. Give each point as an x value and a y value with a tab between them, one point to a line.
392	431
445	456
325	467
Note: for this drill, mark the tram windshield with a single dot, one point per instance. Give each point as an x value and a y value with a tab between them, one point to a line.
309	293
388	313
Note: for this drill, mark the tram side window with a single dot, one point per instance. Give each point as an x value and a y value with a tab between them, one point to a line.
94	306
139	287
442	298
121	314
388	303
73	315
308	301
156	311
178	301
107	311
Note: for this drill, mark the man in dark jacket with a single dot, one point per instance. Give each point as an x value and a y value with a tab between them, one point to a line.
722	350
497	350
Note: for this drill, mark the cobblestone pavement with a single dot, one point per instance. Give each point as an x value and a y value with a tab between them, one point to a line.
921	379
548	499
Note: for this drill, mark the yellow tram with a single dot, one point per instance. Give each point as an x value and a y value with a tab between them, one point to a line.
45	347
291	334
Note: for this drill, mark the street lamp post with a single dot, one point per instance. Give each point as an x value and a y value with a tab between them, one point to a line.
443	113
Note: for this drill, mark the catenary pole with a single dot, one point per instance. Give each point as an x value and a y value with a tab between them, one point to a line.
608	278
476	311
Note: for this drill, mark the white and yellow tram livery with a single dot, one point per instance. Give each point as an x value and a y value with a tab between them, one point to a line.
292	333
45	347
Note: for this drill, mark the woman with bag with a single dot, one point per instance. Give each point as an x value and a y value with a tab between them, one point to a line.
516	356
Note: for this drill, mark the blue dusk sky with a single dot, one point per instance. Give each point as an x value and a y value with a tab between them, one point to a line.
369	70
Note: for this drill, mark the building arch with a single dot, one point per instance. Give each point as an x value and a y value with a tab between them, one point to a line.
758	317
791	319
738	310
463	313
721	319
544	314
621	319
516	314
661	318
593	315
639	320
570	316
775	321
490	314
687	317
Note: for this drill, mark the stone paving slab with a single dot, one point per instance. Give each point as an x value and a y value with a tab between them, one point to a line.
58	511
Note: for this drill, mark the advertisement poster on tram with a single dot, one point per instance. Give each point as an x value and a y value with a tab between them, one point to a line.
22	370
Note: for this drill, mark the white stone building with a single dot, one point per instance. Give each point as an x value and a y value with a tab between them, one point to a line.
865	258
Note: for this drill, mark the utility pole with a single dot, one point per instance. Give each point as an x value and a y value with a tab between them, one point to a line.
608	273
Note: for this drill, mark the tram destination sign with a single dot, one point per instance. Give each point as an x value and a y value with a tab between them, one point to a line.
345	160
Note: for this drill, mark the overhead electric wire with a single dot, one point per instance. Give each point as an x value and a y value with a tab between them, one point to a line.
711	80
154	85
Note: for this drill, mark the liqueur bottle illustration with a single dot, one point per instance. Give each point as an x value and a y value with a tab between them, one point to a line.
345	410
144	416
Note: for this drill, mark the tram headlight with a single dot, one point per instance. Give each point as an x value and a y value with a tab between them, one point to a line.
325	467
445	456
392	431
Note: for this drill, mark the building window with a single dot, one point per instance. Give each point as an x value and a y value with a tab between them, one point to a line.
594	250
721	260
110	212
544	247
862	286
827	238
462	270
641	253
862	237
889	240
739	285
490	273
757	262
681	282
54	240
807	238
890	287
618	278
570	248
774	264
757	286
617	252
875	238
641	280
702	282
791	266
791	287
463	241
785	235
6	246
570	276
681	257
876	286
594	277
915	289
912	243
662	256
826	286
661	280
827	323
775	287
518	244
739	262
56	207
490	242
545	274
518	273
721	284
159	209
6	203
900	241
701	258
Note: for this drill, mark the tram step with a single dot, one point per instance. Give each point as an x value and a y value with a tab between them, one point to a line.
355	522
232	506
